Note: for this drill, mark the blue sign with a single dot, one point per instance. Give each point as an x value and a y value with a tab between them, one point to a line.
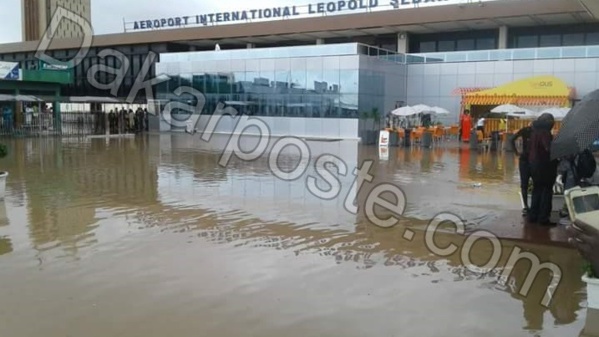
9	71
272	13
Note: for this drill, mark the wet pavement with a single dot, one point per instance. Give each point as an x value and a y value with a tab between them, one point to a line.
151	236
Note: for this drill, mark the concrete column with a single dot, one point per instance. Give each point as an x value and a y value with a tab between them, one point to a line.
503	32
319	41
18	113
403	43
57	117
250	46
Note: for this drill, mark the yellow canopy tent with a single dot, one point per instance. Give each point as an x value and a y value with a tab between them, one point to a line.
534	91
539	91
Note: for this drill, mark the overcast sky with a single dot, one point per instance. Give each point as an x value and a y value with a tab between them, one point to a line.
108	15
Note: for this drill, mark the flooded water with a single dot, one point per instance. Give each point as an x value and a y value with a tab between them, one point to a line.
152	237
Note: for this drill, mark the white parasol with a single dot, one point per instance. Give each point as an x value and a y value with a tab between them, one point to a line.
558	113
523	113
439	111
405	111
421	108
507	109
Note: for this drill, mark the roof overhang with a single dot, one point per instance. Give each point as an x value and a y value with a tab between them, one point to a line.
485	15
592	7
89	99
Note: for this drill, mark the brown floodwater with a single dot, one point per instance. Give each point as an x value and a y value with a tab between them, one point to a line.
150	236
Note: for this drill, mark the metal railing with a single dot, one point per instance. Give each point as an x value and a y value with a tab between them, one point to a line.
82	123
335	49
506	54
387	55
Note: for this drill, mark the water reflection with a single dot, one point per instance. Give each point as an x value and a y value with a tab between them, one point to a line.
476	166
566	300
3	218
591	327
5	246
114	206
67	184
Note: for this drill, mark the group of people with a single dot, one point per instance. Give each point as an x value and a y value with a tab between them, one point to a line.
535	164
127	121
465	127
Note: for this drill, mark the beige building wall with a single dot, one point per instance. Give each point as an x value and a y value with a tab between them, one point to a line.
37	15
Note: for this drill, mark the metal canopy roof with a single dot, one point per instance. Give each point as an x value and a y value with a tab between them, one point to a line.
90	99
436	27
70	99
19	98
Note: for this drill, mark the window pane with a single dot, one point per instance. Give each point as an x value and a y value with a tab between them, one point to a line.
550	53
331	81
530	41
282	79
446	46
238	79
313	77
485	44
298	79
349	81
428	47
550	41
185	80
524	54
592	39
162	89
389	46
573	39
252	76
466	44
173	84
198	82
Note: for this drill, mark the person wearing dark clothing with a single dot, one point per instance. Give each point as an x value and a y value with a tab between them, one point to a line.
145	119
543	170
139	120
426	121
523	163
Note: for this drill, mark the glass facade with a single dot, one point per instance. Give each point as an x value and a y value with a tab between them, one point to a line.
454	41
310	82
127	60
554	36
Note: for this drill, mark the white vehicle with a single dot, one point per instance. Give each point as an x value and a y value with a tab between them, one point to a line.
583	204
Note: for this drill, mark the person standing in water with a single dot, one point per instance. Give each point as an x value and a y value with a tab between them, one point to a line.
523	163
480	125
543	170
466	126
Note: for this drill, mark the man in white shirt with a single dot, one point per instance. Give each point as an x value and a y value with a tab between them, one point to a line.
480	125
28	114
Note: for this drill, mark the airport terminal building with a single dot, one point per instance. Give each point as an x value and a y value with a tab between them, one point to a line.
321	69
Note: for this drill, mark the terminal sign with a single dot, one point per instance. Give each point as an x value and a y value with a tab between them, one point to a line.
273	13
